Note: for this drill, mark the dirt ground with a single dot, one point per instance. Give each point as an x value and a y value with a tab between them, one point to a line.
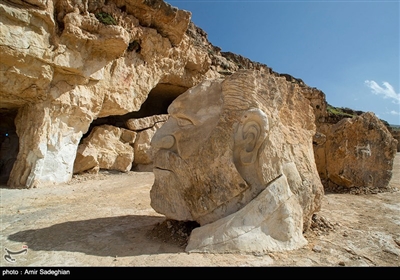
106	220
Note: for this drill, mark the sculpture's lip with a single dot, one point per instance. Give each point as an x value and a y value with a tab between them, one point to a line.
161	169
165	160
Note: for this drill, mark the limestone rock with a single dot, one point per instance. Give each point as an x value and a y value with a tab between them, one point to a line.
396	135
359	153
66	63
145	127
144	123
355	168
226	140
63	65
106	147
25	38
169	21
142	147
271	222
49	134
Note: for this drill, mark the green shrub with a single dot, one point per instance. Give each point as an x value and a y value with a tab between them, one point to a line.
106	18
337	111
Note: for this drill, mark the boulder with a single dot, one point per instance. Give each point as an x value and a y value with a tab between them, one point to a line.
228	140
396	135
142	147
353	150
359	153
106	147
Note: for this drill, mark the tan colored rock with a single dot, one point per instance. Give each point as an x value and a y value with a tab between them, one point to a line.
146	128
396	135
169	21
227	140
270	222
61	67
358	153
49	133
142	147
354	168
25	38
106	147
145	123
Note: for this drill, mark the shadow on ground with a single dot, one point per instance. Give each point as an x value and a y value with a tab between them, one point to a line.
121	236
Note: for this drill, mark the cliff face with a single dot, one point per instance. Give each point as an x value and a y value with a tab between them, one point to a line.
67	66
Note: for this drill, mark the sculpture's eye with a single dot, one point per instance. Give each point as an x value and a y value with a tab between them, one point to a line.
184	121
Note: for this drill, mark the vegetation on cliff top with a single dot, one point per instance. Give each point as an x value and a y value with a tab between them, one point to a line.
337	111
106	18
349	113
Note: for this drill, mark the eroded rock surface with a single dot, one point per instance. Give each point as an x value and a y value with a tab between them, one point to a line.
66	64
225	142
270	222
354	150
357	153
107	147
396	135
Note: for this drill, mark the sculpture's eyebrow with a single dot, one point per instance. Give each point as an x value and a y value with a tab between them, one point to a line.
186	117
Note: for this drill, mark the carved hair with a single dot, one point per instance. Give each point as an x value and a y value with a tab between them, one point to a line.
233	89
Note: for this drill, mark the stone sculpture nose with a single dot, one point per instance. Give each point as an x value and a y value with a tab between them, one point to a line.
163	142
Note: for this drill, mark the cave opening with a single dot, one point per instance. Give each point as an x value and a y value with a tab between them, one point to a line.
157	102
9	143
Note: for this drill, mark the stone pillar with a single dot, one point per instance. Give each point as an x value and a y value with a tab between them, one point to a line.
49	134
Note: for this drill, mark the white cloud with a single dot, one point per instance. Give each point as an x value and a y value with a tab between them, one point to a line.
393	112
387	90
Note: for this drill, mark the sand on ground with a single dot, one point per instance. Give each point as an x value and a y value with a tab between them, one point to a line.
106	220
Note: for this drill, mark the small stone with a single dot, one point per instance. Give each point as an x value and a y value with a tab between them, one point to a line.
317	249
397	240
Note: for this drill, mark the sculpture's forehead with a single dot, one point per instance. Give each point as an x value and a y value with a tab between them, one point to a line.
200	101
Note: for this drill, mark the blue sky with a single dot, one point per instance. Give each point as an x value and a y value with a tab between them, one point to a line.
348	49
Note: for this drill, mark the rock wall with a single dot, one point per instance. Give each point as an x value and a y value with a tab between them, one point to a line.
67	66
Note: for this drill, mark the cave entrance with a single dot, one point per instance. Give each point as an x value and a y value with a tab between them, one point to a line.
157	102
9	143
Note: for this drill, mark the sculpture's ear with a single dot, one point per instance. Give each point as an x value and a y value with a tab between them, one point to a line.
249	135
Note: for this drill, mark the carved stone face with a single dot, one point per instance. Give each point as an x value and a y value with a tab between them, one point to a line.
228	140
193	116
177	146
197	155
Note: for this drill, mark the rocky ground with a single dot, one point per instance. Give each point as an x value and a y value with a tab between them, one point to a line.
106	220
